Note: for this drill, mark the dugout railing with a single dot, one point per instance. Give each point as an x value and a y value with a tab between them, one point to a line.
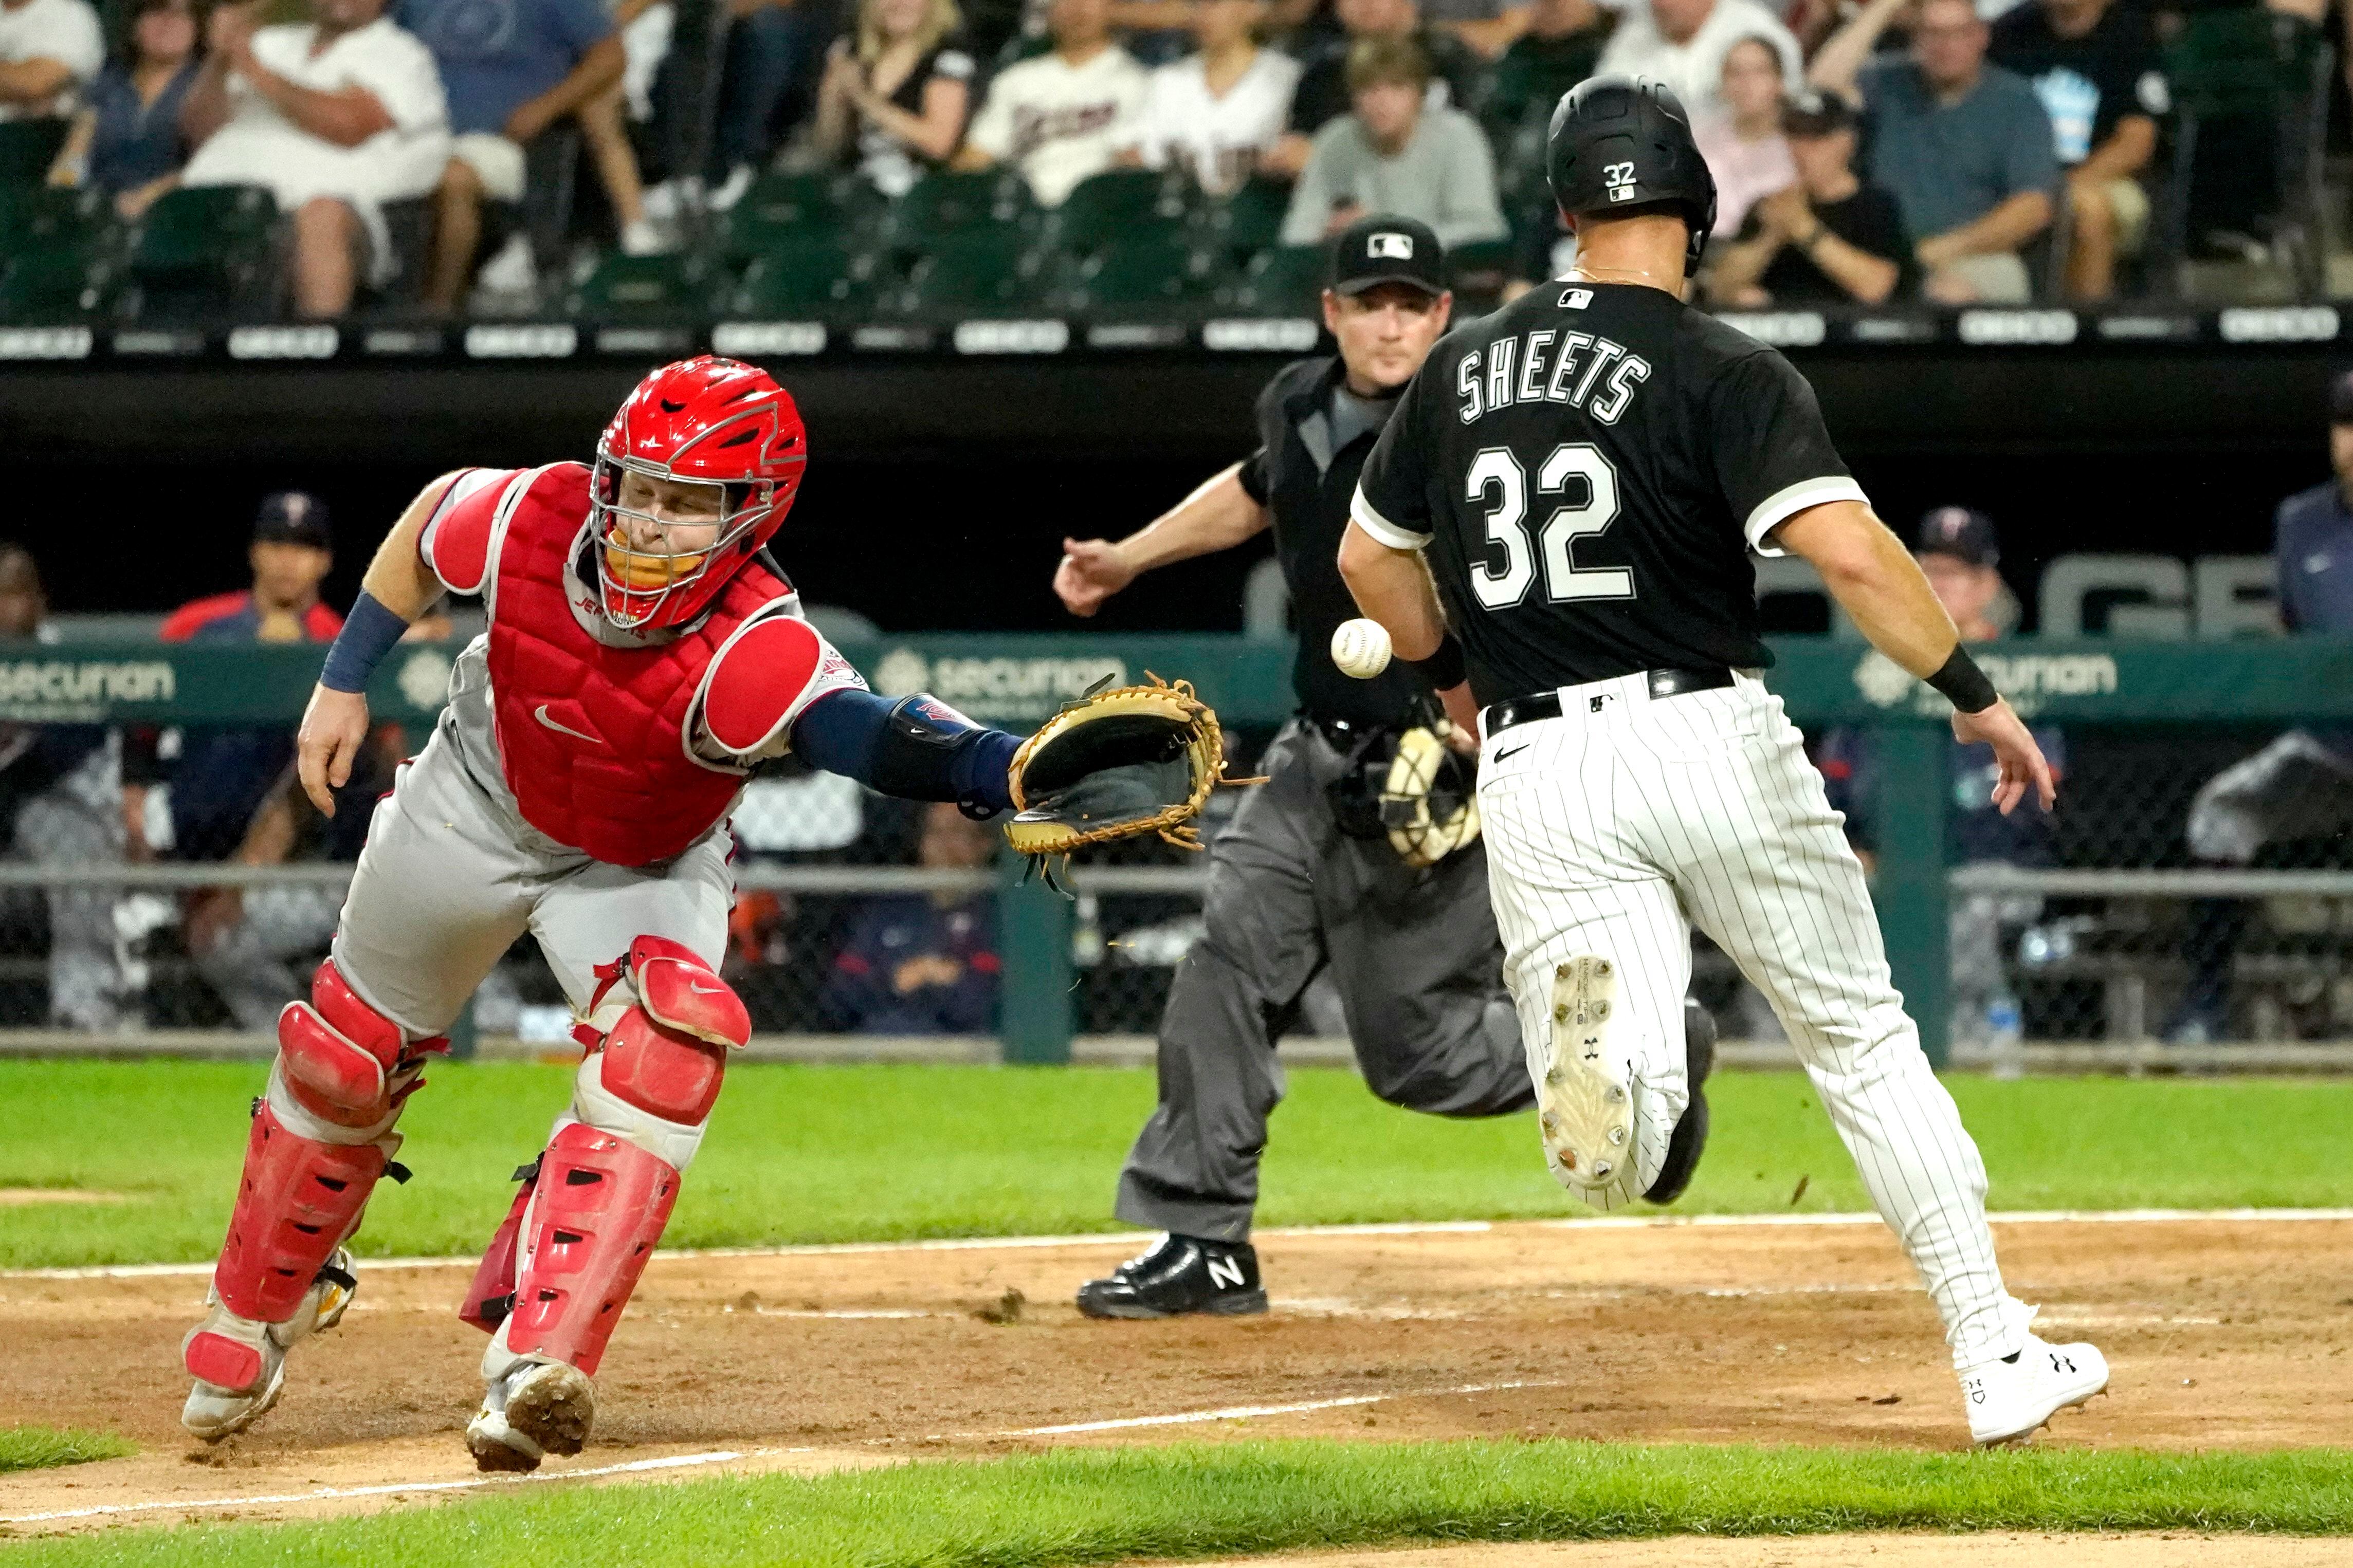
2098	960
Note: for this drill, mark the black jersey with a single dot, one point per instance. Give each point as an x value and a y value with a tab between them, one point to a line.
1587	469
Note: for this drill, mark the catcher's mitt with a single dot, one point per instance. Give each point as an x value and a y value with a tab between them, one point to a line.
1116	765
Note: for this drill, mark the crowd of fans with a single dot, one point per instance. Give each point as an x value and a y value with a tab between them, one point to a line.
1955	150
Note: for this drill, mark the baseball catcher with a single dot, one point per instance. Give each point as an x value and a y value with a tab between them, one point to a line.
644	654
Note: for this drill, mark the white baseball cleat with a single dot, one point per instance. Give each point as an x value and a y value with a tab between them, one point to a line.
2008	1399
239	1365
535	1409
1584	1104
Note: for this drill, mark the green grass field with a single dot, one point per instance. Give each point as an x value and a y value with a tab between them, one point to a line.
809	1154
1085	1506
43	1448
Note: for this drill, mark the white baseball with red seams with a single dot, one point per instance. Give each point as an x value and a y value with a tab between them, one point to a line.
1361	648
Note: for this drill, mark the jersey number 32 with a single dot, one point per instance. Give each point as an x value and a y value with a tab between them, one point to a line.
1496	473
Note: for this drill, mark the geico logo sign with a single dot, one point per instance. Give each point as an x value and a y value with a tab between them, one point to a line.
45	342
58	682
2048	675
1277	335
283	343
736	339
2018	326
1781	329
2286	324
1012	337
545	340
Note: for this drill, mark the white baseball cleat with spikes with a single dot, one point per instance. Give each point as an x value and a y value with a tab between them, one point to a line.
1586	1103
239	1365
2008	1399
534	1408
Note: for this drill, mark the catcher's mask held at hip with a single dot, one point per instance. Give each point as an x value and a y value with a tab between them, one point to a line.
692	476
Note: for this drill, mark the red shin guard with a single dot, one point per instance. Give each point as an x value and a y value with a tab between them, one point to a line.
600	1206
296	1202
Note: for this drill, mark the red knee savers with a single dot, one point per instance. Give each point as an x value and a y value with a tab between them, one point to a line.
599	1207
295	1203
337	1053
648	1066
682	992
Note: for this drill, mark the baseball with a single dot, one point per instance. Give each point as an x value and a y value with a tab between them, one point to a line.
1361	648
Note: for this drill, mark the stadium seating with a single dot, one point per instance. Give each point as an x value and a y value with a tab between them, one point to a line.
27	148
814	275
781	209
619	288
1286	281
1153	275
1248	221
2254	77
979	270
204	248
943	206
50	286
1118	206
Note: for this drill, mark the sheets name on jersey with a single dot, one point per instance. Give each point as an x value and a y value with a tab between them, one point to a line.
1549	365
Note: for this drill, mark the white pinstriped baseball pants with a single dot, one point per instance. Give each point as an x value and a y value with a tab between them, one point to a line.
1614	829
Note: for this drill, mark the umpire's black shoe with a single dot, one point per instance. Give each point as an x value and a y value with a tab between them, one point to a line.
1182	1274
1691	1134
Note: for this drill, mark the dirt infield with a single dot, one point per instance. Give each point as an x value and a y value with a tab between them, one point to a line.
2223	1333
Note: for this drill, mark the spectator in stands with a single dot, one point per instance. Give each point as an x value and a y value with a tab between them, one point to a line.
1218	112
1829	240
1066	114
923	964
126	138
896	92
644	27
1959	553
1743	143
773	49
2290	803
1964	147
511	69
48	50
2094	64
335	117
62	804
1560	46
1487	27
1323	94
1683	43
1394	155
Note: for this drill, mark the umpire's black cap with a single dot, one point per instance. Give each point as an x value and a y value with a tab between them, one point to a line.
1385	249
1622	143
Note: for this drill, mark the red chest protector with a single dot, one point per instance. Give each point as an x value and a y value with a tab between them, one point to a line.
593	738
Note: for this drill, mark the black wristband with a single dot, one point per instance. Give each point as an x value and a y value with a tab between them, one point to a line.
1961	681
1444	667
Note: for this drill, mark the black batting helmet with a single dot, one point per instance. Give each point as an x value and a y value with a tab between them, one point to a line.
1619	143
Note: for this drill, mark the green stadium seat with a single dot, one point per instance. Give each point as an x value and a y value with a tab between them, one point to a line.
47	218
814	277
1286	281
2239	75
620	287
781	209
983	272
27	148
50	286
1250	220
942	204
1117	206
205	247
1153	275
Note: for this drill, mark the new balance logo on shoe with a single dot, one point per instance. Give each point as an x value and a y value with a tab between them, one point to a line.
1226	1273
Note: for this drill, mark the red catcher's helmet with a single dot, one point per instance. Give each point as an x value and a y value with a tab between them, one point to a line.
707	421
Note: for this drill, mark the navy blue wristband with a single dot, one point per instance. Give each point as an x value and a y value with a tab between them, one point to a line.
369	633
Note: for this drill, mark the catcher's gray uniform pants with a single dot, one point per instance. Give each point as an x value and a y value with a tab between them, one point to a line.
1412	952
451	876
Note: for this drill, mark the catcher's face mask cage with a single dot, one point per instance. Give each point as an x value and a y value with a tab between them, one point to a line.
705	422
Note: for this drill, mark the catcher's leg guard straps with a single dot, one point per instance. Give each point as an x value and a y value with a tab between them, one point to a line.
297	1200
492	1296
598	1208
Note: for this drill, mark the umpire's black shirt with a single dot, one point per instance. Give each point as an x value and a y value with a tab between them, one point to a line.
1313	439
1588	467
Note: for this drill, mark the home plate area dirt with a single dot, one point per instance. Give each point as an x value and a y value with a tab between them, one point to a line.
2227	1332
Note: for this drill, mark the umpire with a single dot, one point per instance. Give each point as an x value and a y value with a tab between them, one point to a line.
1299	880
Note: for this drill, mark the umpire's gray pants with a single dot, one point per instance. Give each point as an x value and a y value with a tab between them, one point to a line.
1413	954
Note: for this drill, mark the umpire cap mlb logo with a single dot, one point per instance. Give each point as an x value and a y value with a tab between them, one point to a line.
1385	248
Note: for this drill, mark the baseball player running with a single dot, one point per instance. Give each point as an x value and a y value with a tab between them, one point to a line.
643	654
1297	884
1584	473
